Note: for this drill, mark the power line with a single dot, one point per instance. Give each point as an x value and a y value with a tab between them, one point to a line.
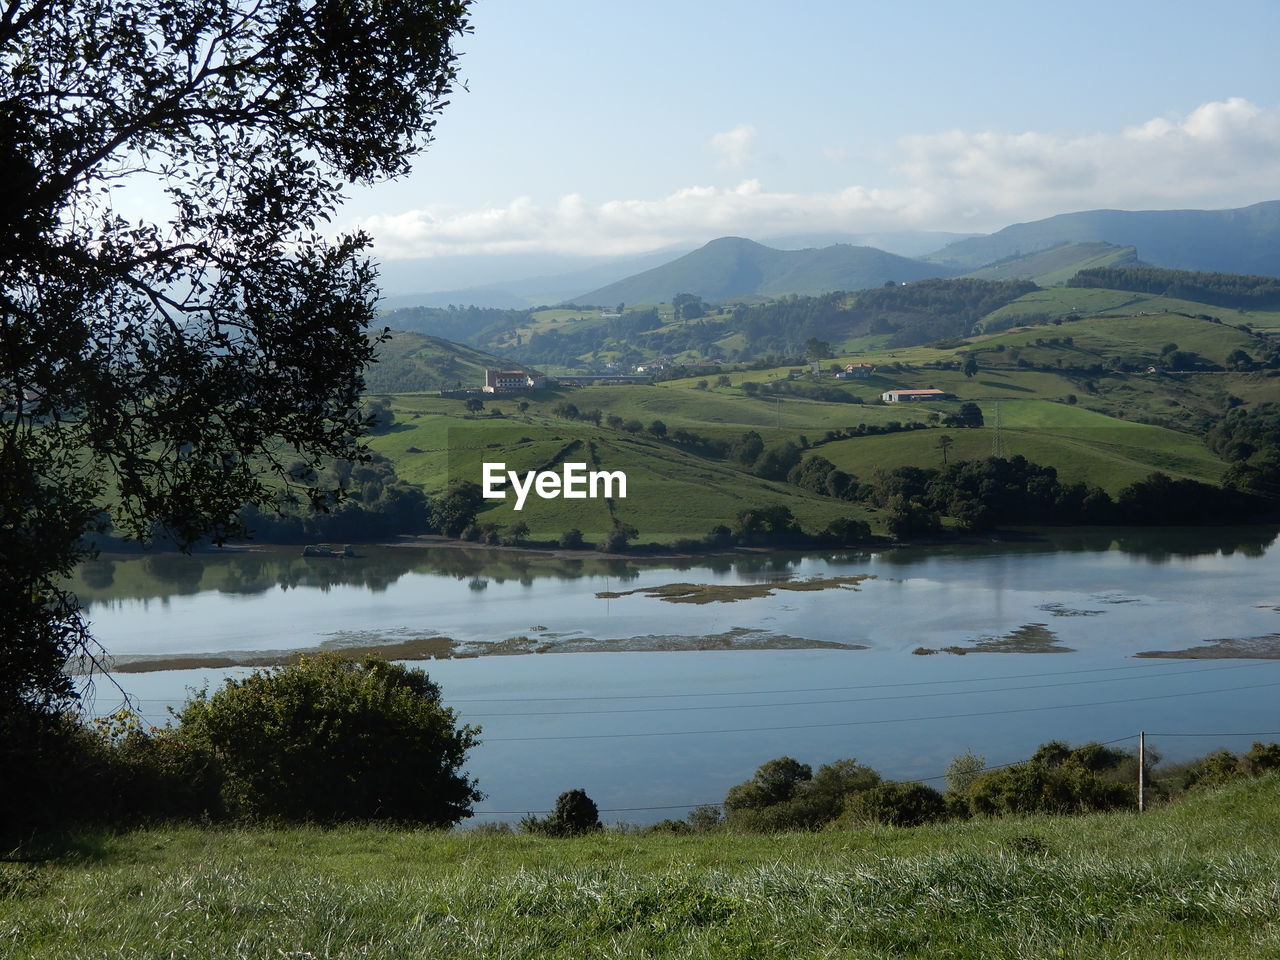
879	721
688	806
1153	668
809	703
1260	733
862	686
941	776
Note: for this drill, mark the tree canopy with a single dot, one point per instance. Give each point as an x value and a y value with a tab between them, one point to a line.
334	739
154	375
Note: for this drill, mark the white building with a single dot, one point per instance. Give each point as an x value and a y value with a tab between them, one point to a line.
898	396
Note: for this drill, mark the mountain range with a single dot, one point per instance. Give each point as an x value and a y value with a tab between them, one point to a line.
735	267
1243	240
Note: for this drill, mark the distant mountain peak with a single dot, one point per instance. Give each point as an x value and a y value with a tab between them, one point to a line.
1239	240
730	267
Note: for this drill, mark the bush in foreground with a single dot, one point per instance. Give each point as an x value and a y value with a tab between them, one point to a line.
335	739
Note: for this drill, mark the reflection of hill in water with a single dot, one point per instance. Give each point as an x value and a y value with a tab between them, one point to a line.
162	575
1153	545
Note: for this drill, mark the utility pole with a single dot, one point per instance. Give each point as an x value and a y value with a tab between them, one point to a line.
1142	771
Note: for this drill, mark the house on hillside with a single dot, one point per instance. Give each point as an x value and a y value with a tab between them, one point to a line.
856	371
898	396
509	381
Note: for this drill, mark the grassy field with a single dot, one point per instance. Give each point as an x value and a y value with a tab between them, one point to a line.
1062	399
1197	879
1087	301
671	494
1110	458
1107	337
1057	264
414	361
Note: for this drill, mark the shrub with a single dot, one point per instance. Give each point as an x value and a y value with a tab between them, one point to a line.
1211	771
165	775
1261	758
575	814
705	818
330	738
773	783
1056	780
616	540
48	763
845	531
786	795
571	539
896	805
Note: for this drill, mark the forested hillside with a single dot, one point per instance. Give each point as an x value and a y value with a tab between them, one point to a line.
1219	289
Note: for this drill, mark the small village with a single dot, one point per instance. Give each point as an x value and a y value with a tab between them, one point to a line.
508	382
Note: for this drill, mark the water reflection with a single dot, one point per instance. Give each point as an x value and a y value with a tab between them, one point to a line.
1153	545
253	572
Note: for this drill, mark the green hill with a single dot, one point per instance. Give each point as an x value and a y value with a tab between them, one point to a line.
1061	302
413	362
733	267
1081	381
1057	264
672	493
1243	240
1186	881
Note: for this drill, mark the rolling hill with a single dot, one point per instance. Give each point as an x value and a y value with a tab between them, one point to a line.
735	267
1106	386
1242	240
1057	264
415	362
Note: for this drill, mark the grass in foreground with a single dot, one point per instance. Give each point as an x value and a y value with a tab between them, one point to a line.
1197	879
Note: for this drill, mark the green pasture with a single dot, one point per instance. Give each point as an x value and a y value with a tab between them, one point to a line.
1080	444
1191	880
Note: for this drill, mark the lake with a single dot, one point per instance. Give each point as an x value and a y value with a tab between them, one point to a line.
654	704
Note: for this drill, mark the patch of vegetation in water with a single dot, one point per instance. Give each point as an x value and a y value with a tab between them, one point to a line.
732	592
1059	610
736	638
359	643
1028	638
1226	648
415	648
1114	598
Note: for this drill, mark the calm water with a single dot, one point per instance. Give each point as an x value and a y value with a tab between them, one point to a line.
651	730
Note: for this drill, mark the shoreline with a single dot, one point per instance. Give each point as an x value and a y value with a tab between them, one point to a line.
646	552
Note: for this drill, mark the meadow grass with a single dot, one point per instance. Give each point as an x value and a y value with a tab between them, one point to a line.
1197	879
671	493
1107	458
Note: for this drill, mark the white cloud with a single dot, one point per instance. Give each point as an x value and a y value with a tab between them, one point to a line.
734	146
630	226
1221	154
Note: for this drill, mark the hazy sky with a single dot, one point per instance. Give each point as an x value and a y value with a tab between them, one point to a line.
598	126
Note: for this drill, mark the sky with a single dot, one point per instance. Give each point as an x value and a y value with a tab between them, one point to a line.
603	127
